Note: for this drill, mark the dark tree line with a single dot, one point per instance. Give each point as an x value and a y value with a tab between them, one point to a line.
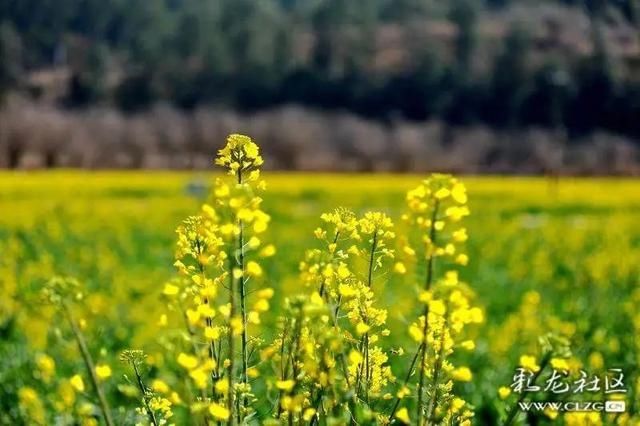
254	54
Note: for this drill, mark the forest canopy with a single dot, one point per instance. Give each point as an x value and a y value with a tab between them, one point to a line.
571	66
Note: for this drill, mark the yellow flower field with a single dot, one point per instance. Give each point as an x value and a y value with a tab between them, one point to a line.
541	274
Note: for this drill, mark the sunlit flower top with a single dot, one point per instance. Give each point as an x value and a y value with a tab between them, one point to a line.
198	239
241	156
437	206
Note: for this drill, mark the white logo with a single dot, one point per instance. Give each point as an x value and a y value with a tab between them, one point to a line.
614	406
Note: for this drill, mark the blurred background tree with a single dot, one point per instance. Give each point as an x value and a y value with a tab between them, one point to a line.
572	65
10	58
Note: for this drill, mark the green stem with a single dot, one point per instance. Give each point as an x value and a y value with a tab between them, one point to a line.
291	361
365	339
209	321
322	284
406	380
88	362
423	353
318	406
367	372
514	409
374	246
334	319
243	297
436	376
143	389
230	343
425	330
191	333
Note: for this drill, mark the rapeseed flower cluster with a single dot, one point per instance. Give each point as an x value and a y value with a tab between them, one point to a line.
435	210
217	259
565	264
307	358
329	361
64	293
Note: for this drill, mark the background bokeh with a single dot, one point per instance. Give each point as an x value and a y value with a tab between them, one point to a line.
405	85
546	256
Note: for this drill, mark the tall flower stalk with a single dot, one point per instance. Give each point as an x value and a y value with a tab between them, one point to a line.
212	254
422	348
343	272
241	158
329	361
60	292
157	409
379	228
435	209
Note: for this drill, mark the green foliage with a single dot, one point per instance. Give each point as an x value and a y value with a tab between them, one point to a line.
10	57
331	54
561	264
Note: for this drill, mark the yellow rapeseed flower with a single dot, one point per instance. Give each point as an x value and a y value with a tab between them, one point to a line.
77	383
187	361
103	371
266	293
200	377
170	290
254	269
400	268
222	386
159	386
253	317
285	385
355	357
437	307
46	365
236	326
219	412
560	364
504	392
262	305
462	374
403	415
308	414
529	362
362	328
268	251
212	333
468	345
552	414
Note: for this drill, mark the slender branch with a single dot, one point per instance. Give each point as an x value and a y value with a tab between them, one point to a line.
432	237
425	330
191	333
334	318
230	343
89	364
143	389
209	321
243	309
423	355
406	380
374	245
282	363
291	361
436	375
317	406
322	284
365	339
514	409
243	299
